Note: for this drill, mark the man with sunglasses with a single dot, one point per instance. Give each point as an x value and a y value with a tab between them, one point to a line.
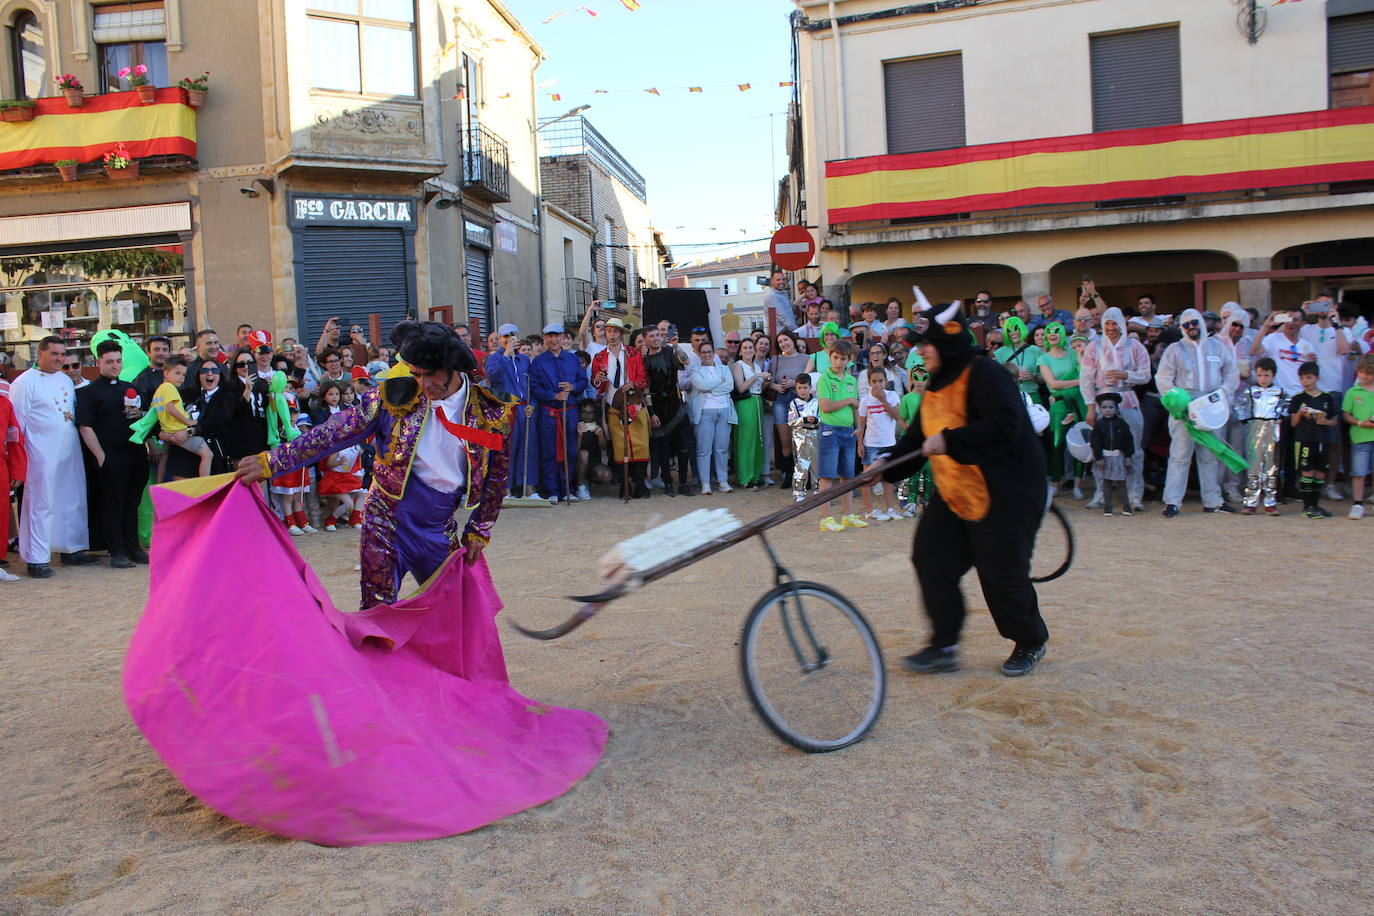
1200	364
71	367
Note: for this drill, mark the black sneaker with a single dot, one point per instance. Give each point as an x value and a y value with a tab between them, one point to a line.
139	555
40	571
1224	507
1325	512
80	558
120	561
670	490
1170	511
1107	512
1023	661
931	660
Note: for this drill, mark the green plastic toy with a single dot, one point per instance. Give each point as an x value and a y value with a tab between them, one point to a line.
278	414
135	360
1176	401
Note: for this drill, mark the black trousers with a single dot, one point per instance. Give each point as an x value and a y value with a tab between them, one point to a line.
676	443
122	479
946	547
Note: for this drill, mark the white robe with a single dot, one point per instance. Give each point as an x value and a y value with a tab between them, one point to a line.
54	513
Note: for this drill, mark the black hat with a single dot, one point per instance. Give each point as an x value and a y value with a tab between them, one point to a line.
431	346
1112	396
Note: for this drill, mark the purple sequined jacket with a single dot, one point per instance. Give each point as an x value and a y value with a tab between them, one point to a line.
397	431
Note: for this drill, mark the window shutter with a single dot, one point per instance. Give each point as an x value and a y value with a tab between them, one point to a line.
1136	79
1350	43
925	103
479	289
130	22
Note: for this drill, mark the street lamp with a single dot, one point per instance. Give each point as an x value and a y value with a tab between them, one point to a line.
568	114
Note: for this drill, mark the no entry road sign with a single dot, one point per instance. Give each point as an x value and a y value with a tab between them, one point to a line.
792	247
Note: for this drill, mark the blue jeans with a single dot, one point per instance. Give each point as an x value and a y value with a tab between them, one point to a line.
835	452
713	437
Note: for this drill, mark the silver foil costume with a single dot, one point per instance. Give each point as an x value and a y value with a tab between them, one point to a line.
1262	411
801	417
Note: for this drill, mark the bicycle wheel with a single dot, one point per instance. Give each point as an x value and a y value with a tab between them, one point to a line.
1053	554
812	667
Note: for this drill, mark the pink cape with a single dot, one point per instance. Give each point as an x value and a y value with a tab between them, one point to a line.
276	709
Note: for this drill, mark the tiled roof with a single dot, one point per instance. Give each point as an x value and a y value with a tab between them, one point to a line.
758	260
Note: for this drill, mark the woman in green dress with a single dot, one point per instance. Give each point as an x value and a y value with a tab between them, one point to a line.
750	378
1059	369
1021	357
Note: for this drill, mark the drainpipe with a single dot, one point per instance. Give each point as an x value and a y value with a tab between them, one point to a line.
839	82
539	202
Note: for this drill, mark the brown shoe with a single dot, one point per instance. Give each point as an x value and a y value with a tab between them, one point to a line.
1248	510
1272	510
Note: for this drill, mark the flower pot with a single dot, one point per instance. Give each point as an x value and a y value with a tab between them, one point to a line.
68	172
195	97
122	174
75	97
146	94
17	114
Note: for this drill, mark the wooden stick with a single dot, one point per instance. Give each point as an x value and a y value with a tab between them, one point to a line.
591	604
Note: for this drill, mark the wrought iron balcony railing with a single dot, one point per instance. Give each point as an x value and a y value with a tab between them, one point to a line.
486	165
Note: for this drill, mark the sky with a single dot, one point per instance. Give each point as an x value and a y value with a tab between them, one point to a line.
711	159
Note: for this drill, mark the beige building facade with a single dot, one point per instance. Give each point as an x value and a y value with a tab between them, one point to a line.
349	160
1023	145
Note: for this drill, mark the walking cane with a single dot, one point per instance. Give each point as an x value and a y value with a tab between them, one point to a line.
567	456
525	445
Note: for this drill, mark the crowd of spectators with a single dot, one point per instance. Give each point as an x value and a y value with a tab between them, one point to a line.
827	395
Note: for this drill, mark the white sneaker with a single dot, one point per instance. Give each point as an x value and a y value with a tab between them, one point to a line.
7	576
878	488
1334	492
1356	511
294	531
583	492
724	487
894	515
1077	492
877	515
656	482
909	512
1094	504
769	482
705	490
331	527
309	530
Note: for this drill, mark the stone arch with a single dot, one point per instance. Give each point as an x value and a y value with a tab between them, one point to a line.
1122	278
940	283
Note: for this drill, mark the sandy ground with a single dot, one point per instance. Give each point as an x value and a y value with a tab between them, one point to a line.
1198	740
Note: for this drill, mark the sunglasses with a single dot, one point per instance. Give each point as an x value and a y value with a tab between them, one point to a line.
209	371
1191	324
983	301
71	365
242	365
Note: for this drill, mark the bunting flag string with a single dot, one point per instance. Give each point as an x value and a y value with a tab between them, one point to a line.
630	5
660	90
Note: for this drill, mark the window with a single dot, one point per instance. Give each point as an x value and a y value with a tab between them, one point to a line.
29	54
729	286
364	47
1136	79
1350	55
129	34
925	103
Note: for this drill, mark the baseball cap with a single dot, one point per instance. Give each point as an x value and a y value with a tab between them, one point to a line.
553	328
358	372
508	330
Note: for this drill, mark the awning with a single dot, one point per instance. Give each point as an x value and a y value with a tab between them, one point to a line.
162	128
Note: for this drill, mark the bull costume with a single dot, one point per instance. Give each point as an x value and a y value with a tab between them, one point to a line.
434	458
990	496
555	420
509	376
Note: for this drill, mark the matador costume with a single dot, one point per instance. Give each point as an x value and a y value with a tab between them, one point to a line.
410	526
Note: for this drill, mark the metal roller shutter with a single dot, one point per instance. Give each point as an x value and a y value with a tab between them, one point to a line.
1137	81
479	289
1350	43
925	103
349	274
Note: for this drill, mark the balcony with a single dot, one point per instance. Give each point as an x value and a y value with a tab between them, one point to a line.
486	165
159	135
1308	153
580	294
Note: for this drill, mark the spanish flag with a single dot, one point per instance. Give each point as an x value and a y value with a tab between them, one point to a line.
631	5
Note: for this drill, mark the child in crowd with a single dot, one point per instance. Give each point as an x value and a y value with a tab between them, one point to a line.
171	416
838	393
1311	411
802	420
342	485
591	450
1358	408
289	489
877	435
915	491
1261	408
1113	447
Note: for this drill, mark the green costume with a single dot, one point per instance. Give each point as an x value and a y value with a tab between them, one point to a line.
1176	401
1063	401
1027	359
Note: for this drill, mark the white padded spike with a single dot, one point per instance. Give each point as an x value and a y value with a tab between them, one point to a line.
949	313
